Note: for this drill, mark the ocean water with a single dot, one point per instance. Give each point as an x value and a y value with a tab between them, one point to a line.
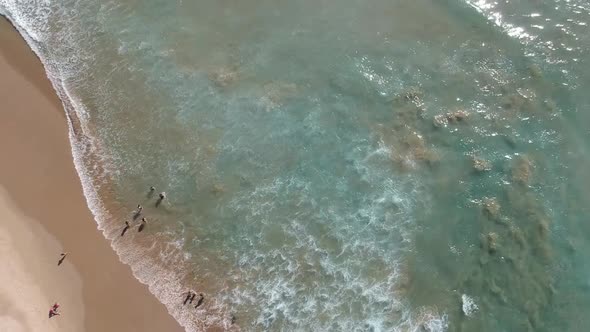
335	165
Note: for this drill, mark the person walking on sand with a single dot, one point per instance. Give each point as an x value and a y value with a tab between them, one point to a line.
190	301
53	311
62	258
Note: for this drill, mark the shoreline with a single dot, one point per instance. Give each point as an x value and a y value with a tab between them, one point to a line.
39	177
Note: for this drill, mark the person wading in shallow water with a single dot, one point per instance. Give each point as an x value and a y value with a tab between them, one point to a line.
151	192
161	199
142	226
125	228
190	301
138	211
189	295
200	301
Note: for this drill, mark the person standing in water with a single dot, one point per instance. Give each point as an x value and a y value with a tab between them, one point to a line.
200	301
151	192
142	225
189	295
125	228
162	198
138	211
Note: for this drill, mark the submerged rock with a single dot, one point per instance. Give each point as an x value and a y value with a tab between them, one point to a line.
535	71
518	236
481	165
413	150
489	243
443	120
413	94
492	242
491	208
217	189
222	77
440	121
522	170
457	116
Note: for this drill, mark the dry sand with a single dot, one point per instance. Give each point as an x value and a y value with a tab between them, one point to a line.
31	280
43	212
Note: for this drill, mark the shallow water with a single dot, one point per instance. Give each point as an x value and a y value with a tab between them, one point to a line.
329	165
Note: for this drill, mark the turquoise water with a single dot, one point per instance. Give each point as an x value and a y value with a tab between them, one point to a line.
335	166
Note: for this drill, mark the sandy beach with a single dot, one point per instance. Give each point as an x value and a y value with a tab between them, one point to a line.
43	213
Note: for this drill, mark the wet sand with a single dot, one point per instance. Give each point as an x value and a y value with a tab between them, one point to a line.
43	212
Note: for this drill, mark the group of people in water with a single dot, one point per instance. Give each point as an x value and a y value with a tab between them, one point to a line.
143	223
190	297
